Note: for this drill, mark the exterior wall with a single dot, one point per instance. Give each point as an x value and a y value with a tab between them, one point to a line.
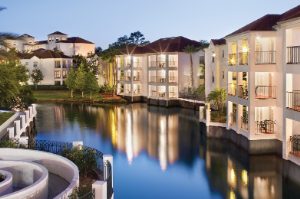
47	66
215	67
71	49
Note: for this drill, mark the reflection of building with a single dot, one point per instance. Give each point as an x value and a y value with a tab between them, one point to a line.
140	130
237	175
159	70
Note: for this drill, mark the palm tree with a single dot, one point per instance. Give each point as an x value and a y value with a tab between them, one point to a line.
217	98
190	49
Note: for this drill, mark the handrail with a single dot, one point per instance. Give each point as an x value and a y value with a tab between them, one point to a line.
265	92
265	57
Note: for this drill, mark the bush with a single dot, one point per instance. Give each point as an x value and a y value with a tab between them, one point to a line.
85	159
106	89
8	144
49	87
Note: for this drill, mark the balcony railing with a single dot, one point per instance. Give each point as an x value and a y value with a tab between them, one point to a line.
293	55
244	122
265	126
172	79
232	59
265	57
243	58
233	119
160	64
243	91
293	100
265	92
157	79
295	145
173	64
232	89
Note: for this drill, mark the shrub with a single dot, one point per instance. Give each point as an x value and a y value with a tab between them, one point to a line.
50	87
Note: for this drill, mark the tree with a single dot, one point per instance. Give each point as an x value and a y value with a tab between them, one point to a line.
91	84
36	76
137	38
80	80
190	49
98	50
71	81
218	98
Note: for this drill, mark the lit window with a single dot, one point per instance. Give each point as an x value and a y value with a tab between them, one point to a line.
57	74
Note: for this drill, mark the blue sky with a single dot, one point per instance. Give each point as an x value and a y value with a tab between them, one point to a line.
103	21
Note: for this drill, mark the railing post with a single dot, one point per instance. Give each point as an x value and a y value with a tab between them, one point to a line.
208	116
100	189
23	122
18	128
11	132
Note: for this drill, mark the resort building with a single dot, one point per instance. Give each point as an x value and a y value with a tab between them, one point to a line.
54	65
159	70
216	65
263	68
70	46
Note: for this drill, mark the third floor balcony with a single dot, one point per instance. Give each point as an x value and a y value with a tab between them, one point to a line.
265	57
293	55
265	92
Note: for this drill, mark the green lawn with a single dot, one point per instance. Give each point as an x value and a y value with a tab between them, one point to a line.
5	116
64	95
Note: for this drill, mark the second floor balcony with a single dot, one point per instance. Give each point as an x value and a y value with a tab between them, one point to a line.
265	57
243	58
243	91
293	100
265	126
232	59
293	55
265	92
159	64
244	122
232	89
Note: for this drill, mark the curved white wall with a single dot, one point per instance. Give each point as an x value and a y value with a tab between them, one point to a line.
6	186
54	164
30	178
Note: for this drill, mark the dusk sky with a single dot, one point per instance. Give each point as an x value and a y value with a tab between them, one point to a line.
102	22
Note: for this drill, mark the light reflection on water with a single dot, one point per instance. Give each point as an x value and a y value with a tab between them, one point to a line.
160	153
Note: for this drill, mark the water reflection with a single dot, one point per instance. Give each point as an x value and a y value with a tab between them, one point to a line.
190	166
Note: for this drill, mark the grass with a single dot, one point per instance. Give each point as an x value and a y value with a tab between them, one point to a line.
64	96
5	116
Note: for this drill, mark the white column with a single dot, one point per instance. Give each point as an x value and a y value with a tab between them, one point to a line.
11	132
27	116
23	121
208	118
100	188
30	112
18	128
111	160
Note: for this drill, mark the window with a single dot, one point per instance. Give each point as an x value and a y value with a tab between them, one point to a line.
223	53
64	73
64	64
57	64
213	78
57	74
201	60
223	74
213	59
35	64
57	83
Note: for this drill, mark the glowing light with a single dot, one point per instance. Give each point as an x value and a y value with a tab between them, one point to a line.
245	49
129	142
244	177
214	54
231	195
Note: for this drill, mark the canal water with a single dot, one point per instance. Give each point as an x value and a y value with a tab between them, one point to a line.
162	153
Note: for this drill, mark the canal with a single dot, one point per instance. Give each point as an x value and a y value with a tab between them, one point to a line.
162	153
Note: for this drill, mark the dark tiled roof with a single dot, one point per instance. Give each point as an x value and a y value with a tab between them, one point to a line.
25	35
42	42
170	44
75	40
57	33
264	23
43	54
217	42
290	14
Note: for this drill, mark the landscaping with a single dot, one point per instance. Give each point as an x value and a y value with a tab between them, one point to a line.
64	96
5	116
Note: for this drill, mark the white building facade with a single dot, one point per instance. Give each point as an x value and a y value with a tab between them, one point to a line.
159	74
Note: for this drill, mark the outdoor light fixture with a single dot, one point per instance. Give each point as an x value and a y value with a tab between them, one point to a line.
245	49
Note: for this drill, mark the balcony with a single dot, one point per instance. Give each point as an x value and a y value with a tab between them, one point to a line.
265	126
136	78
265	92
232	89
243	91
232	59
172	79
295	145
160	64
293	100
137	65
157	79
243	59
244	122
293	55
173	64
265	57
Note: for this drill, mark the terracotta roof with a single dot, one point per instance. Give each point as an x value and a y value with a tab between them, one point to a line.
43	54
170	44
57	33
290	14
264	23
218	42
75	40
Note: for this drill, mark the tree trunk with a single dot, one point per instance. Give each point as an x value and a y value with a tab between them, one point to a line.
35	85
82	94
192	71
71	93
90	95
